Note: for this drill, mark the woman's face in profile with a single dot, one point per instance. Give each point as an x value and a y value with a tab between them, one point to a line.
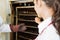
41	8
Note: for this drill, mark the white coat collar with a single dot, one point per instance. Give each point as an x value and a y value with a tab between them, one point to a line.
44	24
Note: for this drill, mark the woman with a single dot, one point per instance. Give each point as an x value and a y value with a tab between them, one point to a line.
49	10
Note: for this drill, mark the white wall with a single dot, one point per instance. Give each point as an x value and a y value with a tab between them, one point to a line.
4	9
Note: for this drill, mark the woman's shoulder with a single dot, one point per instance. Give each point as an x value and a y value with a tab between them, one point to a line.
52	32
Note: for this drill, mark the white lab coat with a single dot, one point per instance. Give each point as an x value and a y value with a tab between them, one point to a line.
4	27
50	33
